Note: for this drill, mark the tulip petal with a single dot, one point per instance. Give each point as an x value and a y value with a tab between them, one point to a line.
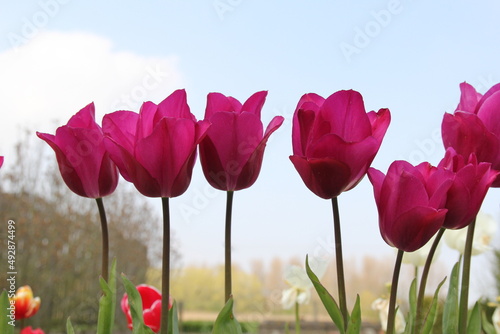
493	90
121	126
85	118
489	113
217	102
469	98
459	129
317	175
255	103
413	229
149	295
175	106
152	316
345	112
379	122
376	178
250	171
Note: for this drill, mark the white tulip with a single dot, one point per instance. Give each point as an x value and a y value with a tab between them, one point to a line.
484	231
382	306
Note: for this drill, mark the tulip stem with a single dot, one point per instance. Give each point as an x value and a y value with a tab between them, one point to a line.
165	273
464	291
423	282
391	317
297	319
339	260
227	268
105	239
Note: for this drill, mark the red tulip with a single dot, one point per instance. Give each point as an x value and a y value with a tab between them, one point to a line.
155	149
475	126
85	166
26	306
231	153
30	330
411	202
151	306
335	141
470	185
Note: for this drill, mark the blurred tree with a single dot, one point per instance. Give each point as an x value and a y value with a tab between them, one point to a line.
58	237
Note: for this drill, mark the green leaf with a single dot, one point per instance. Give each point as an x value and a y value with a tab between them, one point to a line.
354	326
432	315
450	311
173	321
107	303
330	304
412	315
69	327
7	324
474	326
226	323
487	326
135	305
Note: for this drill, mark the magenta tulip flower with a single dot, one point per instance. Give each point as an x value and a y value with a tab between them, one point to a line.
475	126
151	306
411	202
231	153
83	161
470	185
156	149
335	141
1	161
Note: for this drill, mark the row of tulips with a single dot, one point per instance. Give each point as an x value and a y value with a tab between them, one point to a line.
334	142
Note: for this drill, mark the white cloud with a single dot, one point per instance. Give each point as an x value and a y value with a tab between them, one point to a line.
46	81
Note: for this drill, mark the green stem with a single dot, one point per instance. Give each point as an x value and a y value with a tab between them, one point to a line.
227	268
339	260
165	273
419	321
297	319
464	291
105	239
394	291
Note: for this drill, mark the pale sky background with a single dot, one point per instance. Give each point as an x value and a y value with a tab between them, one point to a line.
56	56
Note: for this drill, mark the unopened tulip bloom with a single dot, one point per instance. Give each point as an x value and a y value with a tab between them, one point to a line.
231	153
26	305
151	306
484	232
155	149
474	127
410	202
470	185
83	161
335	141
30	330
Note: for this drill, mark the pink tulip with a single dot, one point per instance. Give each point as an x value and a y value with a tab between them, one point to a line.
84	163
1	161
151	306
475	126
335	141
470	185
411	202
231	153
155	149
30	330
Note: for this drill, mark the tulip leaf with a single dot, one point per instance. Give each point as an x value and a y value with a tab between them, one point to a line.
450	311
7	323
354	326
69	327
226	323
474	325
487	326
432	315
413	307
135	304
173	321
107	302
326	298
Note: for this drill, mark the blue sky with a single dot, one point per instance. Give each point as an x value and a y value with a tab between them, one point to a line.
56	56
